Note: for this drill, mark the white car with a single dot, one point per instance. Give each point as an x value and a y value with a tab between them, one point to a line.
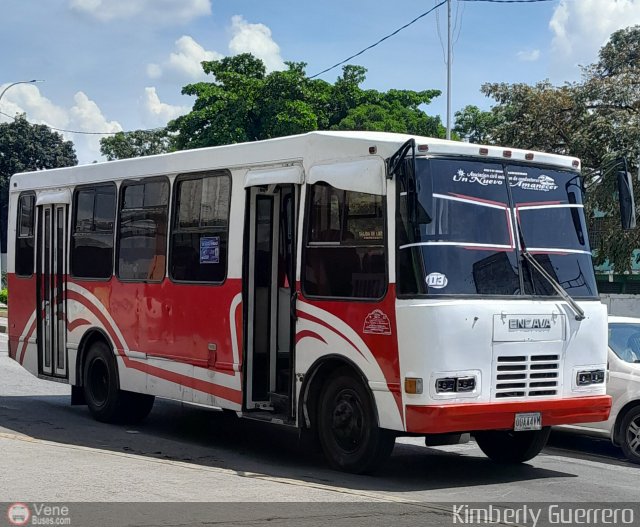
623	384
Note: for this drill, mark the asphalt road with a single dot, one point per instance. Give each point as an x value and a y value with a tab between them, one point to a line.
51	451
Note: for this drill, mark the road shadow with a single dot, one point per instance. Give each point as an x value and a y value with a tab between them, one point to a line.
212	438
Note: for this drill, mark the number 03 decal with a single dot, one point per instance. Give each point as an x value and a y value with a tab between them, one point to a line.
437	280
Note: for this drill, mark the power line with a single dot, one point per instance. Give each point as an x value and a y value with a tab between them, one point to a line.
379	41
509	1
83	132
414	21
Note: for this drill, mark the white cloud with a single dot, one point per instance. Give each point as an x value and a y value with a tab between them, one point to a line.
528	55
84	115
256	39
26	98
184	62
162	11
158	113
581	28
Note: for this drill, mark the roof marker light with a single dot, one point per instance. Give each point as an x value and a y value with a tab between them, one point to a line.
506	153
423	148
484	151
373	149
576	163
529	156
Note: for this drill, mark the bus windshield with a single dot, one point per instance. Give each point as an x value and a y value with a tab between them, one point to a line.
471	239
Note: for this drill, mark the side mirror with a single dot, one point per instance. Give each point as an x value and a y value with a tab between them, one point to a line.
626	200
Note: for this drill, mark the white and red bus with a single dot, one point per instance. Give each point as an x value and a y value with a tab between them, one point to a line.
358	285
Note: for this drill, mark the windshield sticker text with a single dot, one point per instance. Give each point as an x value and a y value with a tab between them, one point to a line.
487	177
541	183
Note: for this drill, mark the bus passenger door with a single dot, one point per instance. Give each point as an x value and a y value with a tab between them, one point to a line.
51	269
269	264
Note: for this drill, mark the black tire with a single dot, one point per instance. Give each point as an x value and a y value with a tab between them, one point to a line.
106	401
630	435
348	430
510	446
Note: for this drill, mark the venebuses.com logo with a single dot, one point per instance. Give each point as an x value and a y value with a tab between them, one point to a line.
18	514
38	514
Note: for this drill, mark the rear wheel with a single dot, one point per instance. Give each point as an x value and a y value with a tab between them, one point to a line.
347	426
106	401
510	446
630	436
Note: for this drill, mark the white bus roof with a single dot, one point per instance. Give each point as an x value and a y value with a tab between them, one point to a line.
309	149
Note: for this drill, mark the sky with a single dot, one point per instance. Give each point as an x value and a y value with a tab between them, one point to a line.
111	65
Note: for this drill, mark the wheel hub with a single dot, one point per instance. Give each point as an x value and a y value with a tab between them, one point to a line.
347	421
633	435
99	382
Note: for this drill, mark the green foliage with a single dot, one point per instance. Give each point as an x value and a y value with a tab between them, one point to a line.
541	116
610	92
138	143
474	125
244	103
23	147
4	295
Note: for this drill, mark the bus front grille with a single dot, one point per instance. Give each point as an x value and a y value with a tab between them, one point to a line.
526	376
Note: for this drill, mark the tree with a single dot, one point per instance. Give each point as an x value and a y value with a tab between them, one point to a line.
25	146
542	117
610	92
123	145
244	103
474	125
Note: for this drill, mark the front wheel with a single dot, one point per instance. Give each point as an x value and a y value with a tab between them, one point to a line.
348	430
106	401
630	437
510	446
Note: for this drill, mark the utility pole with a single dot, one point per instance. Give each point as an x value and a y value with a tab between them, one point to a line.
449	45
1	95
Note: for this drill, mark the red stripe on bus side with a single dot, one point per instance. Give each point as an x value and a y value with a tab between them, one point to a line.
229	394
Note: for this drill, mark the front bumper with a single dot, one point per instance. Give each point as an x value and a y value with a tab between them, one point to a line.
440	419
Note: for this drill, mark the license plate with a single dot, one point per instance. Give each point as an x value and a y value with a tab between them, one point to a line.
529	421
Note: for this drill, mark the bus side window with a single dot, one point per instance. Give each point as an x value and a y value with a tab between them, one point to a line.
94	212
200	228
25	238
142	232
345	247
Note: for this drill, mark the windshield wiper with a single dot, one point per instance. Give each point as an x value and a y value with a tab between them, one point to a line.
553	282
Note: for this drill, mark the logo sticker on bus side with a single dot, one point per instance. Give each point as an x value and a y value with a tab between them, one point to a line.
437	280
377	323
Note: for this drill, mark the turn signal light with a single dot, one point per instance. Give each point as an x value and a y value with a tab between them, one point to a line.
413	385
